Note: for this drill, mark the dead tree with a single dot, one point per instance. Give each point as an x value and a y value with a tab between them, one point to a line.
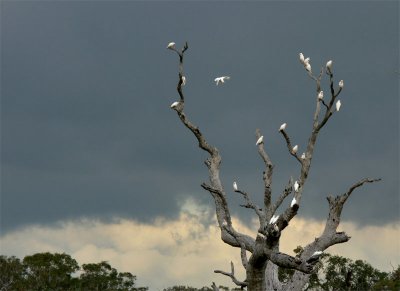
262	265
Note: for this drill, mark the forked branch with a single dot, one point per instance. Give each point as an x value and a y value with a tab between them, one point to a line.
232	276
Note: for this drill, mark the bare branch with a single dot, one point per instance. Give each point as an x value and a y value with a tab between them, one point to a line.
336	206
232	276
250	204
267	174
290	147
214	287
286	192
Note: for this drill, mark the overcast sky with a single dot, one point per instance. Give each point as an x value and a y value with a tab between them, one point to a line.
87	132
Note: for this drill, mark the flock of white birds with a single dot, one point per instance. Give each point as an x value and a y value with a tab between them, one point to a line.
307	65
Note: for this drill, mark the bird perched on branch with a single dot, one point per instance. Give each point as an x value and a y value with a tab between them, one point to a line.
171	45
274	219
222	79
260	140
338	105
235	186
295	149
283	126
329	66
314	258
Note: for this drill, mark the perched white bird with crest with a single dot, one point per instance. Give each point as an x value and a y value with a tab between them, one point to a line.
260	140
341	83
273	219
296	186
235	186
329	66
171	46
283	126
295	149
294	202
321	95
338	105
303	156
174	105
222	79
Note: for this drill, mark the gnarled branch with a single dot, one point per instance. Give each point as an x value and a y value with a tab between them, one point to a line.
232	276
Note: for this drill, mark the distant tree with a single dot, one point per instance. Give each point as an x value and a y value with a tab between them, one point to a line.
391	282
186	288
102	276
273	216
11	273
46	271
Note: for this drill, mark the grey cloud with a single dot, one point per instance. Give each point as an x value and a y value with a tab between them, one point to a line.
86	88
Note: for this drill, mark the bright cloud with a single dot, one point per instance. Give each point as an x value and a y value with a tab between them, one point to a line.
186	250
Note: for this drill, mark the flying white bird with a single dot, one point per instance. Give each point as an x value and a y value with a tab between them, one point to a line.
301	57
296	186
303	156
283	126
222	79
294	202
329	66
338	105
321	95
295	149
173	105
273	219
183	80
171	45
260	140
235	187
315	257
341	83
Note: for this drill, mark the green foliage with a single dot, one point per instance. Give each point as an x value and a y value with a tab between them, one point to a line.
46	271
187	288
335	273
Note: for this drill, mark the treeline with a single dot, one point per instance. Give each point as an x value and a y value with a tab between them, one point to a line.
47	271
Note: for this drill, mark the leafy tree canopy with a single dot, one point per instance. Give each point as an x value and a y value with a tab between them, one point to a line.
46	271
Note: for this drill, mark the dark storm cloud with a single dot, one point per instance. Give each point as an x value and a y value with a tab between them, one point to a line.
86	89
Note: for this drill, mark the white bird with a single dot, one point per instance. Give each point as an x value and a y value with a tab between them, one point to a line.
296	186
294	202
273	219
171	45
321	95
260	140
329	66
306	61
301	56
283	126
295	149
314	258
308	67
338	105
235	187
222	79
341	83
175	104
303	156
183	80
